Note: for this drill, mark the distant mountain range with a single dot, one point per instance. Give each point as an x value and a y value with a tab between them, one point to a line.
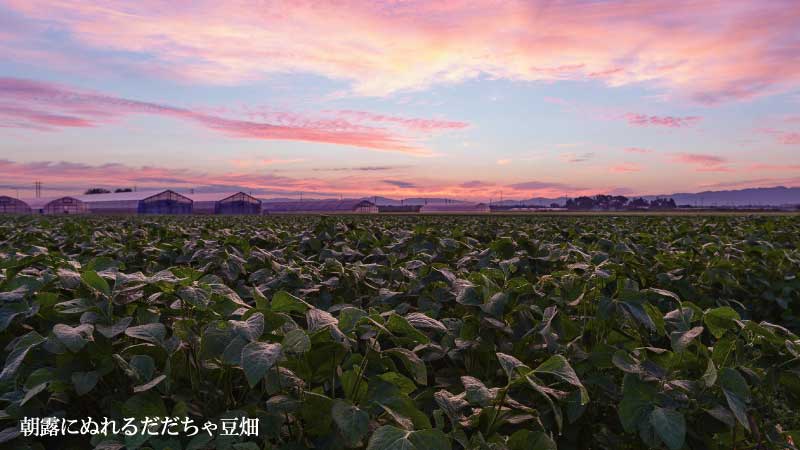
773	196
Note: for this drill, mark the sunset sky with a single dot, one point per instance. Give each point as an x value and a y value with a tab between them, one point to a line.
466	99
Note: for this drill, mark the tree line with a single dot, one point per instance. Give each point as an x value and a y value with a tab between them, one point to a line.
105	191
614	202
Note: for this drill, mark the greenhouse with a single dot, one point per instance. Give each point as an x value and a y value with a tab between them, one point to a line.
347	206
57	205
141	202
11	205
447	208
225	203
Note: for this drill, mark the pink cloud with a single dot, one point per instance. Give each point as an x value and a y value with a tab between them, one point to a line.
420	125
72	178
775	167
625	167
638	150
577	157
45	106
783	137
243	163
476	184
790	138
696	49
703	162
699	159
660	121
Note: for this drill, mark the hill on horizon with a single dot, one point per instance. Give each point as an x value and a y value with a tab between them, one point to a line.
771	196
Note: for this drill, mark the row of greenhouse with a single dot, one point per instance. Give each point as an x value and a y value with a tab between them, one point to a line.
171	202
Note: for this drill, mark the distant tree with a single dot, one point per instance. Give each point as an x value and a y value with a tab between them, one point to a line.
555	205
663	203
123	190
581	203
618	202
638	203
602	201
93	191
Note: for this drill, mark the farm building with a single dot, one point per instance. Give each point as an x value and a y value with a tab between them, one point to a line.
57	205
141	202
11	205
346	206
455	208
399	208
224	203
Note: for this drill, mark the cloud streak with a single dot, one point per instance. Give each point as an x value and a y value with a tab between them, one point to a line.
45	106
71	178
703	162
709	51
625	168
644	120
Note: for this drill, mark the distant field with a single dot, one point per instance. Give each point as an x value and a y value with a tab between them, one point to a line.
535	331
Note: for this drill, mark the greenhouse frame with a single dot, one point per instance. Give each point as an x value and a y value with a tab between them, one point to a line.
57	205
225	203
11	205
446	208
141	202
346	206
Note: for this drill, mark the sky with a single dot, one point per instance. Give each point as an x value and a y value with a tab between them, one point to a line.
476	99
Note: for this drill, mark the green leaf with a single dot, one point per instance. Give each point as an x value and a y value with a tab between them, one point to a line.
625	362
638	398
720	320
8	434
531	440
112	331
737	394
151	332
33	392
710	376
96	282
731	380
250	329
147	404
738	407
84	382
405	385
423	322
510	365
476	392
400	326
10	311
296	341
353	423
681	339
558	415
389	437
73	338
283	301
150	384
17	355
257	358
412	362
670	427
558	366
